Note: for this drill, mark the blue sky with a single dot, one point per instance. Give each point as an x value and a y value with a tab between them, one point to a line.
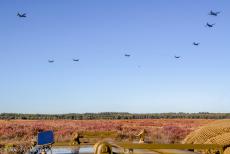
99	33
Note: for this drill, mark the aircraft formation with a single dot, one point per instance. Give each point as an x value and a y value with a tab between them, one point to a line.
209	25
211	13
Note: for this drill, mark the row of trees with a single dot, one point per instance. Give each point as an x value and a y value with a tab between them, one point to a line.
116	115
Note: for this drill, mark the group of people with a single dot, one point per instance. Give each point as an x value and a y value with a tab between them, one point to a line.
77	136
36	148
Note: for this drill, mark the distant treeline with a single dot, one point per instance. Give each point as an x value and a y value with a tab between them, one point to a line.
116	115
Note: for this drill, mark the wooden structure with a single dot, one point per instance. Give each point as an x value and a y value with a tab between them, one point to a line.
217	147
131	147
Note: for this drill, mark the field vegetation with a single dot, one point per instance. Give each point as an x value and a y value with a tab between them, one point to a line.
18	132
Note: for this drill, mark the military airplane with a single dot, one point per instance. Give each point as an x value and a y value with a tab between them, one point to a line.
211	13
50	61
176	57
209	25
21	15
196	43
127	55
75	59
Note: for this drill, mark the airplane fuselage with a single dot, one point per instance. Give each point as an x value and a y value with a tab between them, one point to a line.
21	15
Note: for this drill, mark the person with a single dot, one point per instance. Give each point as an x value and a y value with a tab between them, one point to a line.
141	136
33	141
76	139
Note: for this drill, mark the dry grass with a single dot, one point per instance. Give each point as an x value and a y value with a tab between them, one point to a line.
217	132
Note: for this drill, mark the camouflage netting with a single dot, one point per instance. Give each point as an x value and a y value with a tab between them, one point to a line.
217	132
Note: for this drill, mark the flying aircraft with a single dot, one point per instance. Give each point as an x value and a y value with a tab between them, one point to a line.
209	25
211	13
176	57
21	15
196	43
50	61
75	59
127	55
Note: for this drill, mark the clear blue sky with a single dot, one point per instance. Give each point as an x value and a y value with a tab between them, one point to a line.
99	33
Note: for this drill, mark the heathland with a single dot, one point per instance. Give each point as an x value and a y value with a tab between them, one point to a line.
158	130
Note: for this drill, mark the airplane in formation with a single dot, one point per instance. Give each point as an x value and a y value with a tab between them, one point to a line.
176	57
196	43
50	61
213	13
21	15
76	60
127	55
209	25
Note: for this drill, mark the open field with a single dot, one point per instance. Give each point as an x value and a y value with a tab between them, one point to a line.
158	130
